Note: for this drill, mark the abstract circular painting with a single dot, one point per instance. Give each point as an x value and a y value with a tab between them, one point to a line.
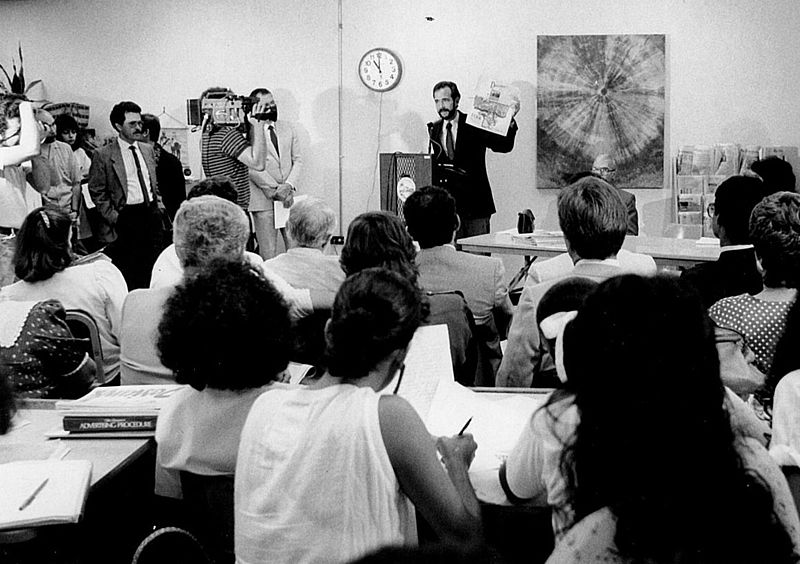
601	94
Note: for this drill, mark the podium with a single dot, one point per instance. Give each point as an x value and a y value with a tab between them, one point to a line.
394	167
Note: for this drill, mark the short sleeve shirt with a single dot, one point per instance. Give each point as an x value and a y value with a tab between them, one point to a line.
220	157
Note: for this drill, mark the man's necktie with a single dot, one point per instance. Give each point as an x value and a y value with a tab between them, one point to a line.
448	142
274	138
142	184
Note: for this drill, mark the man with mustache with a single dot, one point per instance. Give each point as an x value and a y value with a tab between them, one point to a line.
459	157
278	180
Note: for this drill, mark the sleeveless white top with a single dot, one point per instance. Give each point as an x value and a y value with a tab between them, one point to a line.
313	480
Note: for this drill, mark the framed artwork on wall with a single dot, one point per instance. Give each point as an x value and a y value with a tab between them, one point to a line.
601	95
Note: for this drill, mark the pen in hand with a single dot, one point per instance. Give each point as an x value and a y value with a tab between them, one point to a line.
464	428
36	492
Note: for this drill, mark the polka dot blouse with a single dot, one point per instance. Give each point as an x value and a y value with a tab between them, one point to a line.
40	361
761	323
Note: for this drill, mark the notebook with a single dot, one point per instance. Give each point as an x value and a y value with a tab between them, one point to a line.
43	492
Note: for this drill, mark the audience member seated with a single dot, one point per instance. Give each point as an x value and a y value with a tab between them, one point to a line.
333	471
611	440
543	270
777	175
761	318
44	264
431	218
736	271
604	167
38	355
785	443
167	270
225	332
379	239
558	305
206	228
310	226
592	217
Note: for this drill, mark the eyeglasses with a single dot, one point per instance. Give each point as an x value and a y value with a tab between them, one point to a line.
604	170
710	209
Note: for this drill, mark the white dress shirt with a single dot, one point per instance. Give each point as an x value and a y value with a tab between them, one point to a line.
135	195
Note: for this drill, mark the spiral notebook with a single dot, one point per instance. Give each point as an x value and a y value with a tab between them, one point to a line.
43	492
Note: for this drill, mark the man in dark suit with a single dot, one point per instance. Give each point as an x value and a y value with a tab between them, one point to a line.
169	170
123	186
459	159
605	167
735	271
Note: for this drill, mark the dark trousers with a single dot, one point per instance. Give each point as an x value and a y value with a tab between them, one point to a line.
140	239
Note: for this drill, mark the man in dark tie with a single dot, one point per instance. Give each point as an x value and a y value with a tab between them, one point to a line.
278	180
123	186
459	158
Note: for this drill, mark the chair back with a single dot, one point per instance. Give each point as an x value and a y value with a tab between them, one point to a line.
450	308
309	339
209	500
139	360
84	327
168	545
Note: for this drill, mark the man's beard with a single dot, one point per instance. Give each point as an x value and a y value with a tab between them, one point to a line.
447	114
272	115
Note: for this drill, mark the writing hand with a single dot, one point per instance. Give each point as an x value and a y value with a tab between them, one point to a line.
460	448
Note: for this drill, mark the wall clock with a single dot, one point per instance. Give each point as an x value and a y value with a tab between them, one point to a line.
380	69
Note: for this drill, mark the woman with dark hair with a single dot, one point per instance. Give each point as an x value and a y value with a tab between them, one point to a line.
67	131
380	239
225	332
761	318
651	476
44	264
329	473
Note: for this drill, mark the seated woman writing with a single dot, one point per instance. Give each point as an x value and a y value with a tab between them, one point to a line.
331	472
623	460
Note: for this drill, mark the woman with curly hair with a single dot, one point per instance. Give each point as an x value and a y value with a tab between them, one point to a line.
329	473
45	266
225	332
648	475
761	318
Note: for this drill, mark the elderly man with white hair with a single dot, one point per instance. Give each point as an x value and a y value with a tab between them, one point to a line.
206	228
305	265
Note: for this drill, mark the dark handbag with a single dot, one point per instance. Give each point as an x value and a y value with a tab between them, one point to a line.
525	221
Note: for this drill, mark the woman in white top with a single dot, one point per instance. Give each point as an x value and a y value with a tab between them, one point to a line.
329	473
43	262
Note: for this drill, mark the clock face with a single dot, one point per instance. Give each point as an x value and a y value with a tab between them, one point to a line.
380	70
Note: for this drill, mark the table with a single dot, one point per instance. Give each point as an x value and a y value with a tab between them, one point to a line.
109	457
667	252
119	509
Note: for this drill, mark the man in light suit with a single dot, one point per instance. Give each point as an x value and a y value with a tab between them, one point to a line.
278	180
605	167
123	186
431	219
594	222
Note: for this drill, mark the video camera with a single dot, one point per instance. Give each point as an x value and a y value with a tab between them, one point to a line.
222	107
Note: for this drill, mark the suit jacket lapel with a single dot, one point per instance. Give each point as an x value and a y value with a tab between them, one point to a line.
119	167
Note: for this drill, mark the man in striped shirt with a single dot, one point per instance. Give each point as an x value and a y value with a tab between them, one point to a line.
226	151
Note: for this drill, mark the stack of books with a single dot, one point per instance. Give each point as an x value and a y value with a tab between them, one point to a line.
114	411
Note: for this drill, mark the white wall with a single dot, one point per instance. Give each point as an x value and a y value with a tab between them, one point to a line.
732	71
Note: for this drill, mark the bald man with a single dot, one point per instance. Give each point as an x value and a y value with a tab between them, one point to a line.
605	167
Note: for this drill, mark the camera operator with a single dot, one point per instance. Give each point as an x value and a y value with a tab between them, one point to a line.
225	150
